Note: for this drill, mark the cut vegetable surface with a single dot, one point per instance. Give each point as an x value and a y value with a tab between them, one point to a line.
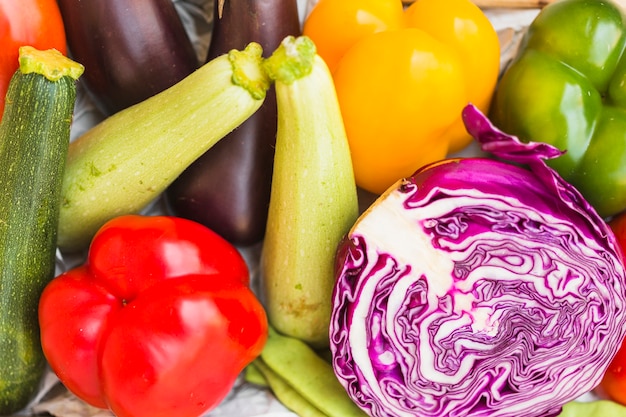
34	138
478	287
120	165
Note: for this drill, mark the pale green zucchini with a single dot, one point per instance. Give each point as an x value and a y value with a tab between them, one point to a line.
122	164
313	201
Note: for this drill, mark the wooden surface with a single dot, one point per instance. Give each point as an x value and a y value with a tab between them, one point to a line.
517	4
511	4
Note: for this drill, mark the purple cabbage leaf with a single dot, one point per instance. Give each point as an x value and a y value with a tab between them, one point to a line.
477	287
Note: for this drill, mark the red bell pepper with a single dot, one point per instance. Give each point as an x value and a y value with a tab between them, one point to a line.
159	320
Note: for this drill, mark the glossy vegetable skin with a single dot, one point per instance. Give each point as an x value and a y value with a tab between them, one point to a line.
34	138
228	188
159	321
566	88
403	77
613	384
131	49
35	23
337	25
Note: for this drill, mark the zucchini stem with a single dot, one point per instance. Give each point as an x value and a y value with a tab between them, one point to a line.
50	63
248	70
292	61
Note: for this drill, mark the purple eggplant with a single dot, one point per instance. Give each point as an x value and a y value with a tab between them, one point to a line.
228	188
131	49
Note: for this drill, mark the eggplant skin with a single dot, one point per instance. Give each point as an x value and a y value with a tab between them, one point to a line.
131	49
228	188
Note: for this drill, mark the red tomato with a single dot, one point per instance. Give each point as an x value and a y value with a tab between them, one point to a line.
613	384
36	23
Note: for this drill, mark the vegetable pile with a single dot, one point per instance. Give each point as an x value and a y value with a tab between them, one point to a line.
470	287
477	287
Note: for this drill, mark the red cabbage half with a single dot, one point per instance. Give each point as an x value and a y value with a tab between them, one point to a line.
477	287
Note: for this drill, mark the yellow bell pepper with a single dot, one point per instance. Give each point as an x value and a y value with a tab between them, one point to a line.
402	78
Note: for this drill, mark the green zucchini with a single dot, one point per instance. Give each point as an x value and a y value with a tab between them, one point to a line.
313	200
34	138
123	163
